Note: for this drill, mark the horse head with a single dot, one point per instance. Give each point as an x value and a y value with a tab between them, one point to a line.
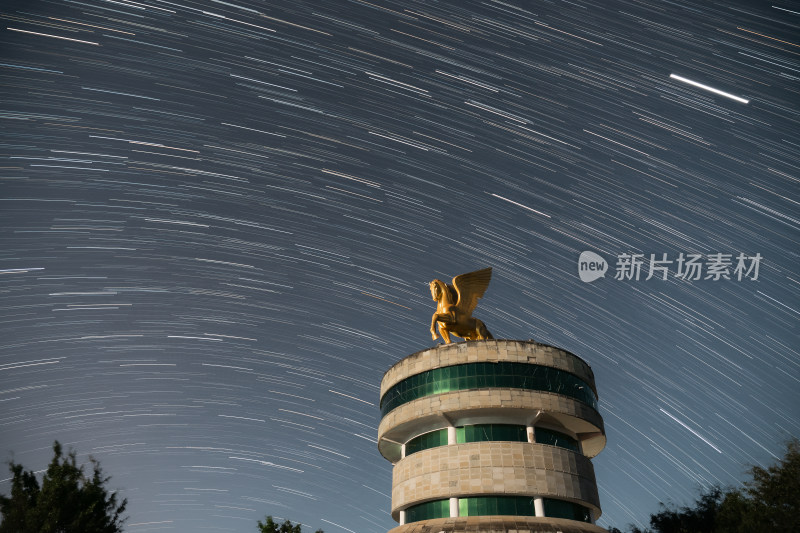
438	289
443	293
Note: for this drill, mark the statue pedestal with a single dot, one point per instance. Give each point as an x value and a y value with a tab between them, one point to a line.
495	435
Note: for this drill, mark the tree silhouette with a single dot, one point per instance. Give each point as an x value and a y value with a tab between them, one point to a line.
769	501
68	501
271	527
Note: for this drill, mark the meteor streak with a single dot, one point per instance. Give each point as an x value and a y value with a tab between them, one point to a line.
707	88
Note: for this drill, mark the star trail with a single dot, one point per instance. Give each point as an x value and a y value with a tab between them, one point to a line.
219	221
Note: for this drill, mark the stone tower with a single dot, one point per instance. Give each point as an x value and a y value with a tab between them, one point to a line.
492	436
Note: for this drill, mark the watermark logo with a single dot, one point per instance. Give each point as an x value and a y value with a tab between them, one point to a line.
688	267
591	267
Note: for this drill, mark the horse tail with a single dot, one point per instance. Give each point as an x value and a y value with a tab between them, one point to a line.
483	331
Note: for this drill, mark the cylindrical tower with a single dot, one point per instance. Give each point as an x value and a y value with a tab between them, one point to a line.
492	435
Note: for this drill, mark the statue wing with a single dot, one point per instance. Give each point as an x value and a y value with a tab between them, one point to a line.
470	287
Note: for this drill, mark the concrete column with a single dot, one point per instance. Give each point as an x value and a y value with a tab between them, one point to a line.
403	451
451	436
402	518
531	434
538	506
453	507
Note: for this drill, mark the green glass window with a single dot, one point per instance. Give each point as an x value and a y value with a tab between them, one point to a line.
482	375
491	432
496	505
562	509
428	511
426	440
474	433
555	438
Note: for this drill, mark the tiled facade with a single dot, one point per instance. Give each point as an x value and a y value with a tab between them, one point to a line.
494	469
513	468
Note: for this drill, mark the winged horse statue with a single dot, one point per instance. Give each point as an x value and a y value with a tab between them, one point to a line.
455	304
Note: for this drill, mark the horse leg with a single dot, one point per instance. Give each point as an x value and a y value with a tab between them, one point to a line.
444	333
443	320
434	322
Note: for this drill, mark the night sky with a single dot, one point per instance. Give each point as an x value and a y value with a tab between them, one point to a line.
219	221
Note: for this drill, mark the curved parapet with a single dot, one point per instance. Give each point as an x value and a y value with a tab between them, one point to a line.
489	351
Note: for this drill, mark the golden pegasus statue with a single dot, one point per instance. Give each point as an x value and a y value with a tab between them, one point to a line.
455	304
